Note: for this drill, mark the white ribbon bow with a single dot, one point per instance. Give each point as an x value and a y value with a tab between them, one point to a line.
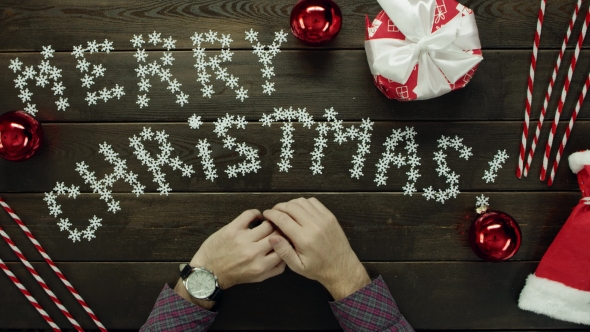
439	55
586	200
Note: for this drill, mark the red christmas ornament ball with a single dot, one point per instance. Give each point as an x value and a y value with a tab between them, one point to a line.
495	236
20	136
316	22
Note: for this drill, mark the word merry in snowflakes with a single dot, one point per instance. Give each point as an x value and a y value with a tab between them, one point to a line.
148	71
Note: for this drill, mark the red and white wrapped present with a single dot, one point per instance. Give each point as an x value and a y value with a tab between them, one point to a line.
421	49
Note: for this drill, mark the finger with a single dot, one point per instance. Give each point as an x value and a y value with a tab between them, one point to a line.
275	271
264	246
244	219
285	223
308	207
319	206
295	211
271	260
286	253
261	231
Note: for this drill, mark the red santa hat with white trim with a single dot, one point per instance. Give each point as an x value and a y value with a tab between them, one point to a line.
560	287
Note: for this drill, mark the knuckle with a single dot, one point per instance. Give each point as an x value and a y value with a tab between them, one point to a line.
256	269
249	255
292	206
284	218
251	213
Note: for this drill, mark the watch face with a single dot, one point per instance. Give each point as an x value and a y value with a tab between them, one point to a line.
200	284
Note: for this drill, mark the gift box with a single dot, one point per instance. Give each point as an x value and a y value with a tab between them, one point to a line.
421	49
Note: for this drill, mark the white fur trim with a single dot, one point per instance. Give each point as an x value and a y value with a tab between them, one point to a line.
555	300
578	160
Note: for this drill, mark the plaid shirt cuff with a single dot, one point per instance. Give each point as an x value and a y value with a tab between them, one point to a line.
371	308
173	313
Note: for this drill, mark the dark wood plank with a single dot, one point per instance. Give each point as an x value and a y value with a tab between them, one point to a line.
461	296
67	144
380	226
339	79
62	23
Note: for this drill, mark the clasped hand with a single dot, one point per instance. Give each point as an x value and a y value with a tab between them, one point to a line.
301	234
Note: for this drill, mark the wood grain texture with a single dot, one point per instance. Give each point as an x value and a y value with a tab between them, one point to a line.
315	80
379	226
67	144
26	26
462	296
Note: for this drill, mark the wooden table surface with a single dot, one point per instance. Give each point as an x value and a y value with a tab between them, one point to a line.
420	247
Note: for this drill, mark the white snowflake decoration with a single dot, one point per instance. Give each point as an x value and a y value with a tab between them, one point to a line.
252	161
206	160
42	78
266	54
390	158
363	135
482	201
195	122
93	72
103	187
156	68
287	115
452	178
495	165
155	164
214	63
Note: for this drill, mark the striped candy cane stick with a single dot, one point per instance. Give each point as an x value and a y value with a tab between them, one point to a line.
529	93
52	264
563	96
568	131
41	282
527	166
28	295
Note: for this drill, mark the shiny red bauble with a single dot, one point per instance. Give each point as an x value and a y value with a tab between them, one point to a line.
495	236
20	136
316	22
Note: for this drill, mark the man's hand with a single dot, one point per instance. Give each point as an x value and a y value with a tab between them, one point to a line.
237	254
321	250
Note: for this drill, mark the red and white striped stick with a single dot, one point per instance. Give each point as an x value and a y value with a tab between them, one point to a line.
550	88
52	264
40	280
563	96
28	295
568	131
529	94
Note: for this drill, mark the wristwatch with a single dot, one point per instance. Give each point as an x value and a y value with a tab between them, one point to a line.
200	283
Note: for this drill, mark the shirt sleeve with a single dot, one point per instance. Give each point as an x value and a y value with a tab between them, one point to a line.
371	308
173	313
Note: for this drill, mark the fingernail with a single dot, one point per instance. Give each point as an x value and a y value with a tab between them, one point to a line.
274	241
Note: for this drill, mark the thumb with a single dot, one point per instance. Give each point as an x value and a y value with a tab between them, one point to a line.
282	247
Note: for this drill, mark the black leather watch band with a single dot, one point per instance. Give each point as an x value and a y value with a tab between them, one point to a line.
217	294
186	271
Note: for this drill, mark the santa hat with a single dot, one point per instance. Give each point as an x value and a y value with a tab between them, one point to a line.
560	287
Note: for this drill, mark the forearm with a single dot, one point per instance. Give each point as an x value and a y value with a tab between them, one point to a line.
173	313
342	285
371	308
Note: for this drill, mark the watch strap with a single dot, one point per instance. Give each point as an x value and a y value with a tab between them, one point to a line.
185	271
217	294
